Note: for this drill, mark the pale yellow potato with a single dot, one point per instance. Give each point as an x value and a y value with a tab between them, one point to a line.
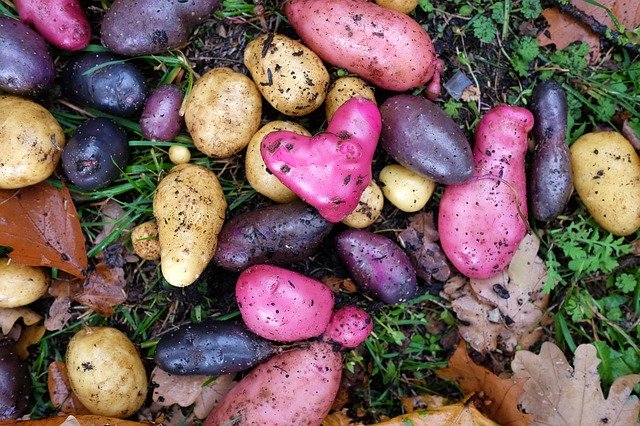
31	142
290	76
20	284
344	89
403	6
606	175
369	207
179	154
189	207
144	239
256	172
106	372
406	190
222	112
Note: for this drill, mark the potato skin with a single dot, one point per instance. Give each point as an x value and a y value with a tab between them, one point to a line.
161	119
106	372
20	284
344	89
189	207
31	141
404	6
349	326
293	388
369	208
144	239
407	190
15	385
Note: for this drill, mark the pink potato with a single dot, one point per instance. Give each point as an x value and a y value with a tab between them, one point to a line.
283	305
62	23
349	326
292	388
383	46
482	221
329	170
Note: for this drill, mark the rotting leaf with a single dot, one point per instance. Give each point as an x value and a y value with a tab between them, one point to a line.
9	316
557	394
337	284
41	224
111	213
59	314
460	414
30	335
212	394
339	418
60	393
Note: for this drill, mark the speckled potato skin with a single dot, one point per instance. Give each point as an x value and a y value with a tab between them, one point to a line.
606	173
344	89
189	207
223	112
404	6
369	208
31	142
289	75
20	284
144	239
106	372
406	190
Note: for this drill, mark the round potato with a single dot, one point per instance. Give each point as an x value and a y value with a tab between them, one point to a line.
106	372
344	89
406	189
144	239
20	284
261	179
31	141
179	154
369	208
289	75
222	112
606	175
404	6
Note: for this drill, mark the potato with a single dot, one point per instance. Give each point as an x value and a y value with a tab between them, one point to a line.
31	141
291	77
344	89
406	190
223	112
144	239
20	284
349	326
404	6
106	372
15	385
189	207
179	154
606	171
369	207
261	179
161	119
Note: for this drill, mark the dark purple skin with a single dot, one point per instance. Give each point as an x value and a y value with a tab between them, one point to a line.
142	27
15	385
423	138
211	348
378	265
551	183
161	119
117	88
95	153
26	67
276	235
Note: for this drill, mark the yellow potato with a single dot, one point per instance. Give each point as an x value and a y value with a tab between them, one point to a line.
144	239
106	372
406	190
344	89
403	6
222	112
369	207
290	76
189	207
606	175
20	284
31	142
261	179
179	154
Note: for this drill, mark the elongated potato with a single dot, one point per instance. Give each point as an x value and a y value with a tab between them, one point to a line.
189	207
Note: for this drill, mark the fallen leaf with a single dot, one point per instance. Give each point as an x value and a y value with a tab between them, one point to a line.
339	418
459	414
30	335
59	314
212	394
9	316
40	223
79	420
60	393
171	389
632	133
500	396
111	213
337	284
422	402
557	394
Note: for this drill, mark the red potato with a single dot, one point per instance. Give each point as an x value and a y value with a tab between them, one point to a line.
62	23
349	326
482	221
293	388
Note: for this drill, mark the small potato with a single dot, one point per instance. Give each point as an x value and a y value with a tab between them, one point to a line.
404	6
344	89
223	112
369	208
20	284
106	372
144	239
31	142
261	179
289	75
179	154
606	171
406	190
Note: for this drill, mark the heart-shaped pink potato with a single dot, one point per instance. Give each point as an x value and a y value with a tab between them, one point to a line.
329	170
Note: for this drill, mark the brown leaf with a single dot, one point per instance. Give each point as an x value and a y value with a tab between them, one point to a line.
501	395
9	316
337	284
60	393
170	389
459	414
30	335
556	393
212	394
59	314
339	418
81	419
40	223
422	402
111	213
630	134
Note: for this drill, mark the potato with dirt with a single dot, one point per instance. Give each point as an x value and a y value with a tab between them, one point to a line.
369	208
144	239
21	284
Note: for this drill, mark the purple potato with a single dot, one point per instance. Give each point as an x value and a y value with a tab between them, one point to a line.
161	119
26	67
378	265
15	386
421	137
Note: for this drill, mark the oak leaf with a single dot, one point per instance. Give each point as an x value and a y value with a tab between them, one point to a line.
9	317
60	393
460	414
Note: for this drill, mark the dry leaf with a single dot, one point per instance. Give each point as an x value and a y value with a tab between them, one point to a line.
59	314
631	135
9	316
557	394
171	389
502	395
337	284
339	418
422	402
82	420
111	212
40	223
60	393
30	335
212	394
460	414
